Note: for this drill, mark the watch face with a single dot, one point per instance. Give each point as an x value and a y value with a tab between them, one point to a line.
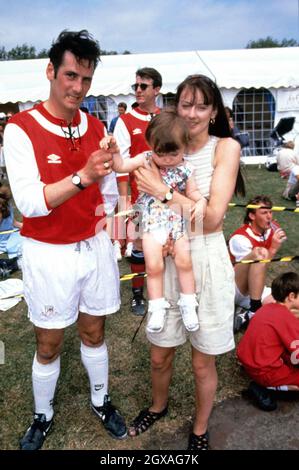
169	195
76	179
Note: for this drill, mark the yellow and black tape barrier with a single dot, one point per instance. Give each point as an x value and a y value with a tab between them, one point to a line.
273	208
4	232
231	204
283	259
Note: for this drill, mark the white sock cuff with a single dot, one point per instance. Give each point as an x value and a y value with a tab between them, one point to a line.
157	304
45	370
187	299
94	352
281	388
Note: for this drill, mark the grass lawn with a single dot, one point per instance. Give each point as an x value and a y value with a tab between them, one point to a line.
75	425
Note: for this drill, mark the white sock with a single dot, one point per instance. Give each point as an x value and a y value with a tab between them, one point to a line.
95	361
281	388
157	304
44	380
187	299
250	314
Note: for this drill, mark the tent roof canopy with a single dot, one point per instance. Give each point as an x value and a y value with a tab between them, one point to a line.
25	80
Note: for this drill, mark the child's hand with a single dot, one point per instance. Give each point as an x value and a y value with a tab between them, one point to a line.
199	210
109	143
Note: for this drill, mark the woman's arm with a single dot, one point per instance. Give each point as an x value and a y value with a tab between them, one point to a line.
227	161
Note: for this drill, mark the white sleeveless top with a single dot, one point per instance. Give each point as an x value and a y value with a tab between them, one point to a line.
202	162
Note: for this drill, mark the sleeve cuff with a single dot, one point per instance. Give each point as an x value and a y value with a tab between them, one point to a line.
122	178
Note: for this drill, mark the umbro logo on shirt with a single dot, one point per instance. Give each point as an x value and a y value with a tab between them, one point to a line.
136	131
54	158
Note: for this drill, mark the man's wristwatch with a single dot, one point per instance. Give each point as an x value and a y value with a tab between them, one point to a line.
168	196
76	180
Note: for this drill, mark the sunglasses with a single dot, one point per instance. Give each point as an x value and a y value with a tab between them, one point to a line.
143	86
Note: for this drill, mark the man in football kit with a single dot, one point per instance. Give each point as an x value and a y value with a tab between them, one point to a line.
58	176
258	238
129	133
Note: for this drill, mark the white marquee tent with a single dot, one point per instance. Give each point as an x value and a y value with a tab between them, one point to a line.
25	80
273	69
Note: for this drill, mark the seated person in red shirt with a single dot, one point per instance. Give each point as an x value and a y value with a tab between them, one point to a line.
269	349
260	237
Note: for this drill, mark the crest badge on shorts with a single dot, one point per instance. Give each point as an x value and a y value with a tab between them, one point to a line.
49	311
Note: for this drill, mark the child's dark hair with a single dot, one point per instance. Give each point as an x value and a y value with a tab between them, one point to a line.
167	132
284	284
79	43
5	196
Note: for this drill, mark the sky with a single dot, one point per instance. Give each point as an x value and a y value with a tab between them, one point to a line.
143	26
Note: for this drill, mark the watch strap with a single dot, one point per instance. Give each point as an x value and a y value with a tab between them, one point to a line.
79	185
166	199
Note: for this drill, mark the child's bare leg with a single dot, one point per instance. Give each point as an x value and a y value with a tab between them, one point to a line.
154	263
183	264
187	302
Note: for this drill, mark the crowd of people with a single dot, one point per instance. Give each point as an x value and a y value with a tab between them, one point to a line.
180	167
288	167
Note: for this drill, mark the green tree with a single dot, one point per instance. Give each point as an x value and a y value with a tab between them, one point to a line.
270	42
29	52
104	52
3	53
44	53
22	52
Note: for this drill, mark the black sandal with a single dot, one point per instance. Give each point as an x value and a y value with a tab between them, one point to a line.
145	420
198	442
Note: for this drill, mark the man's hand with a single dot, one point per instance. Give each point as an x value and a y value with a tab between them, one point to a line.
258	253
98	165
278	238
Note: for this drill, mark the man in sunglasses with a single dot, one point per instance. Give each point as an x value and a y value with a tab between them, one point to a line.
130	136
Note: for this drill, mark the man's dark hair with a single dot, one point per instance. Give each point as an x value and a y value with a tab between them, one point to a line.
122	104
5	197
79	43
148	72
284	284
261	200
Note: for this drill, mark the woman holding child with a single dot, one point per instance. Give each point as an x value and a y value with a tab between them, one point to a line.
215	156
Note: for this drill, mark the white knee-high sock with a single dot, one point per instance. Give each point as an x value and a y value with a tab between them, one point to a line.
95	361
44	380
